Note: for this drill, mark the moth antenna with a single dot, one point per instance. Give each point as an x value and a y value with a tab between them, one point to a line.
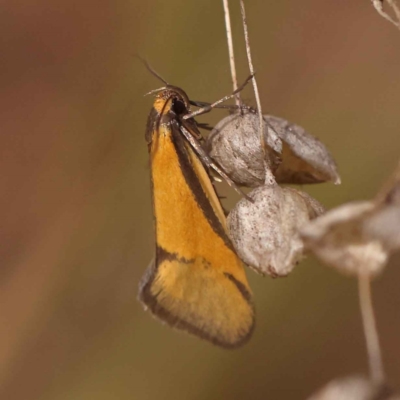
156	90
151	69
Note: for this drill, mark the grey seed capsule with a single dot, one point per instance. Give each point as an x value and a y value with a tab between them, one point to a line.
304	158
234	144
265	233
354	388
315	208
293	155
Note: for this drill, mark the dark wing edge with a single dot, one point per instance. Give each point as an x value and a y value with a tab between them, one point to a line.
150	302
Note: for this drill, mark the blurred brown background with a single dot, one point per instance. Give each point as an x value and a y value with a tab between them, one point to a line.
76	219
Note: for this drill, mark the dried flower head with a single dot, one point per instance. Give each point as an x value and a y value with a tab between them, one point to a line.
293	155
358	237
265	232
354	388
384	224
337	239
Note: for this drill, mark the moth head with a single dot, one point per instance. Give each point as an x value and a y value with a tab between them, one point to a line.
171	98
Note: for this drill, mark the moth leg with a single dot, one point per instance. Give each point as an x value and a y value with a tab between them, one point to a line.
205	126
207	161
209	107
204	104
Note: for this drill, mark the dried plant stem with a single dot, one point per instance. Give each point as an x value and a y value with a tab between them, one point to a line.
230	50
251	67
395	8
378	5
370	330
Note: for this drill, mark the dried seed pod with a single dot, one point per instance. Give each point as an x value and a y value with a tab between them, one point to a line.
265	232
294	155
234	143
338	239
354	388
304	158
390	191
315	208
384	224
358	237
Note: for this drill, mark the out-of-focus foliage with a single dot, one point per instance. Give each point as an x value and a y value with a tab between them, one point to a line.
76	226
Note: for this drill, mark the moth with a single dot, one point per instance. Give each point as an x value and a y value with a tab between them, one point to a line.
196	282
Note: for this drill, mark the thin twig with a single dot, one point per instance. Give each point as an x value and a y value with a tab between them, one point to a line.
370	330
251	67
378	5
230	50
395	8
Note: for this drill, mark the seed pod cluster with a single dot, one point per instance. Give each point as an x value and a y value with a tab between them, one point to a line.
265	229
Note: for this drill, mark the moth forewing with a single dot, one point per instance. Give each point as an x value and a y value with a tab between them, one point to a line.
196	282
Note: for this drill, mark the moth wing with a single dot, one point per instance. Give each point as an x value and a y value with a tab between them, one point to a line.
196	282
199	300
